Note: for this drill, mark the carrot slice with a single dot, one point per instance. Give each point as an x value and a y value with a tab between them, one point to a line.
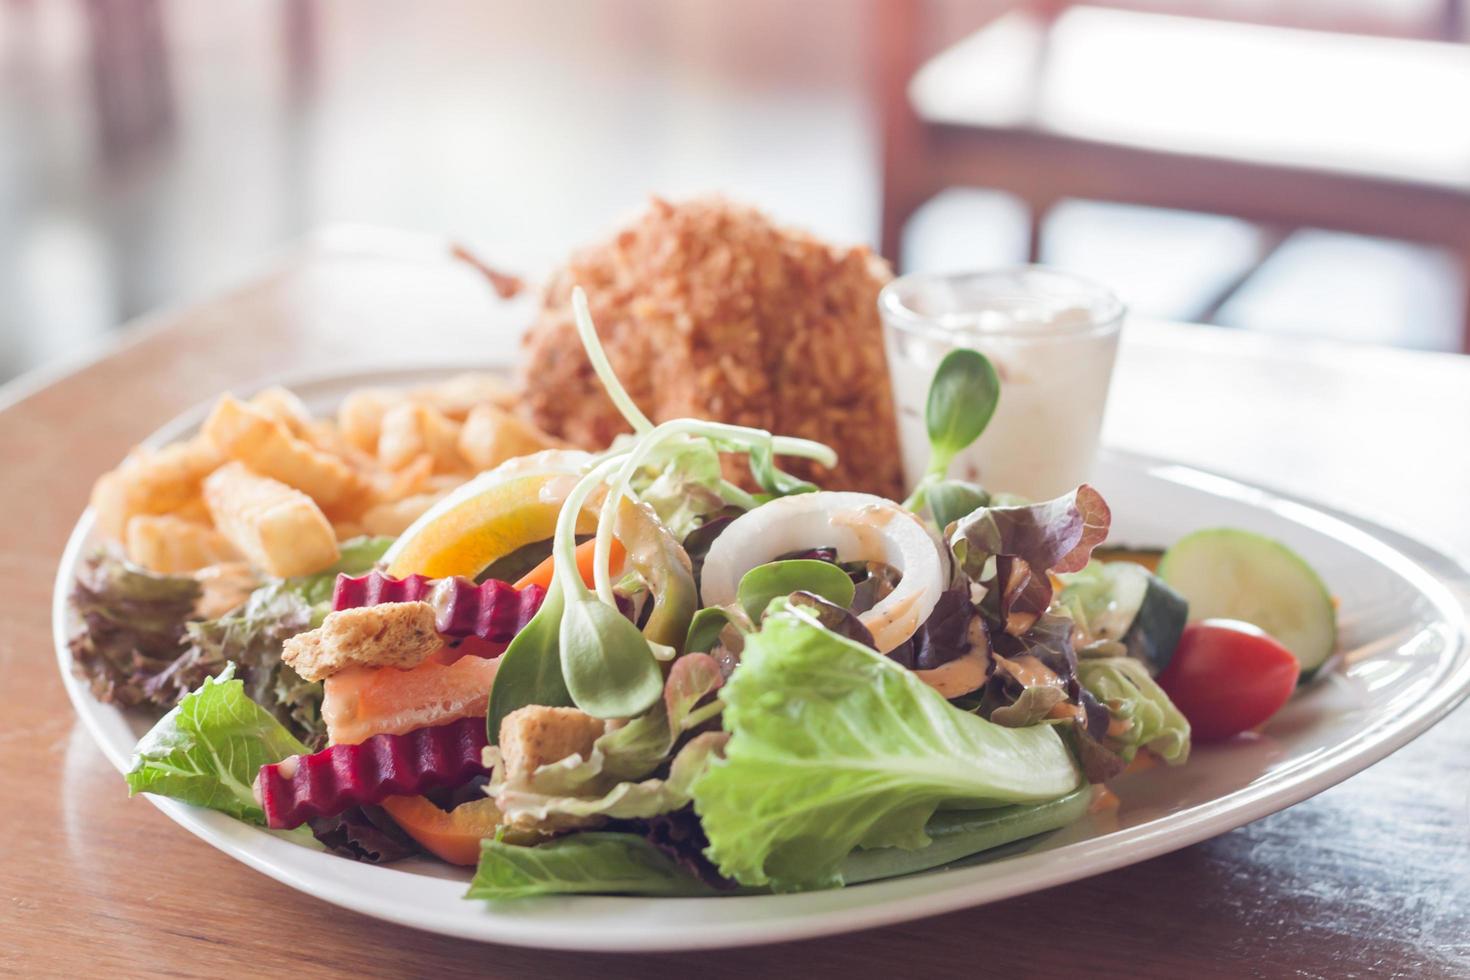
541	574
452	835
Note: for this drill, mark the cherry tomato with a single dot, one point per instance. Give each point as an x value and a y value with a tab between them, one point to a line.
1227	676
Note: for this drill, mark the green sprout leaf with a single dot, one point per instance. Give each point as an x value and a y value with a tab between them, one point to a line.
962	399
606	663
781	578
710	622
772	478
530	670
949	500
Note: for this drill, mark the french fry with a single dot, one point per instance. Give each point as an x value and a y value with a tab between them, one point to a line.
246	434
360	416
456	396
194	510
282	405
393	517
347	530
277	528
492	435
152	481
409	431
417	477
169	545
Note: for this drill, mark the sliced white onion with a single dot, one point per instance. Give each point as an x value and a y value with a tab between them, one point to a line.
861	527
548	462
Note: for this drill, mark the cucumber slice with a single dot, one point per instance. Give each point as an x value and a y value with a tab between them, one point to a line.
1155	630
1124	601
1226	573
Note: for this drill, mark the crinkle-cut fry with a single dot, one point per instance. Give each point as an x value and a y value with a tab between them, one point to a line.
393	517
169	545
360	416
492	435
278	529
456	396
282	405
409	431
152	481
246	434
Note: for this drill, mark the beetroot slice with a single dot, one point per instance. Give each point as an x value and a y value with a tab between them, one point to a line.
492	610
339	777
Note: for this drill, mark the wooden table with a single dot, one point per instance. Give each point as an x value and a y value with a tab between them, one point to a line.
1371	878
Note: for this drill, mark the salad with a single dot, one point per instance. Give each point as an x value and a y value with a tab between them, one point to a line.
669	668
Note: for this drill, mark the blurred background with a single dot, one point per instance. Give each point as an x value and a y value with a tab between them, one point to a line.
1299	166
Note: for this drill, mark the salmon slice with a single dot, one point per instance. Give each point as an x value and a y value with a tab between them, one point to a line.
364	701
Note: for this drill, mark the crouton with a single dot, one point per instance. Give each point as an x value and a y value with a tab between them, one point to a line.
536	735
393	634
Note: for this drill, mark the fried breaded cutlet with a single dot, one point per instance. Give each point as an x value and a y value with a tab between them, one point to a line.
708	309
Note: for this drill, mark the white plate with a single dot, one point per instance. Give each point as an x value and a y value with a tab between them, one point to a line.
1405	662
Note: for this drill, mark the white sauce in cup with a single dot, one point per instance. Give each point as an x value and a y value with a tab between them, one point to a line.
1052	338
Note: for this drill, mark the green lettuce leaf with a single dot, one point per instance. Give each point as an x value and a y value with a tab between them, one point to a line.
686	489
357	556
589	863
1148	718
835	747
208	750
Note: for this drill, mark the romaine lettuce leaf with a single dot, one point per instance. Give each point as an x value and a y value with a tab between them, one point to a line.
589	863
834	747
208	750
1140	708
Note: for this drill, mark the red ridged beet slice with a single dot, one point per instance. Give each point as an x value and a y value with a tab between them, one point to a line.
491	610
340	777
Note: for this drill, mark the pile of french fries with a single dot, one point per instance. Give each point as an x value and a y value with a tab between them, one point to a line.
264	482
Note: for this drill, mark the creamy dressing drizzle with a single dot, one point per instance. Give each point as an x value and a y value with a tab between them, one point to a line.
959	676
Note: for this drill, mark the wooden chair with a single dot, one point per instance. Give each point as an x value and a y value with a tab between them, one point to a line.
1013	108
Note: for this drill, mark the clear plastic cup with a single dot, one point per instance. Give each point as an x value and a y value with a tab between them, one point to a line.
1053	338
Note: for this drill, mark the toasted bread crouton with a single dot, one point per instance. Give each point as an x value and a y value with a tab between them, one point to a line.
536	735
393	634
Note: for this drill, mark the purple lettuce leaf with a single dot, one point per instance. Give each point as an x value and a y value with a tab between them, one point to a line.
1056	535
133	629
364	833
949	633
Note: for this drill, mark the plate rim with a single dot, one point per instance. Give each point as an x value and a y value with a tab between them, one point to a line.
256	848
